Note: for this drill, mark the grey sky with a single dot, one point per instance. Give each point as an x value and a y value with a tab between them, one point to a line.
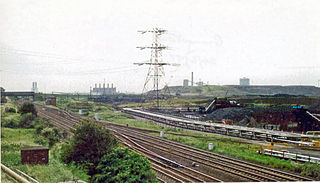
69	45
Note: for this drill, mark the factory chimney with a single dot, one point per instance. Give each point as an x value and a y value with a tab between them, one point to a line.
95	85
191	78
108	85
104	85
111	85
99	85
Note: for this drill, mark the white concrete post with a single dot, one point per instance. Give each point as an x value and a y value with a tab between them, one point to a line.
210	146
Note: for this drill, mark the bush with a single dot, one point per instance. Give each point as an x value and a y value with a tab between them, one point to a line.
123	165
26	120
11	109
47	135
3	100
312	170
11	123
88	145
28	108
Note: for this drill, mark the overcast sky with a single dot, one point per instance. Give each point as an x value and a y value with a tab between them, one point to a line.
69	45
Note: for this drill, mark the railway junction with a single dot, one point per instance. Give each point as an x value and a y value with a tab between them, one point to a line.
176	162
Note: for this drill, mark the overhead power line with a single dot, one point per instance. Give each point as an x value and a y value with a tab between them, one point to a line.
19	52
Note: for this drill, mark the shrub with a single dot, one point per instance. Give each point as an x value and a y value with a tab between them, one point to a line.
11	123
88	145
312	170
11	109
28	108
123	165
26	120
50	135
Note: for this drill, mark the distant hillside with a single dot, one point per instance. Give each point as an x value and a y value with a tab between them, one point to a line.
237	90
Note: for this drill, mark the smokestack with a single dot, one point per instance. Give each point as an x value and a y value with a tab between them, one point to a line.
111	85
108	85
99	85
95	85
104	85
191	78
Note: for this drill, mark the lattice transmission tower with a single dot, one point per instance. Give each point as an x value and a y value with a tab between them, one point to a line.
155	63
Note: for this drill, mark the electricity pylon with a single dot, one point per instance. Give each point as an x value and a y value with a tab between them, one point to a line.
155	63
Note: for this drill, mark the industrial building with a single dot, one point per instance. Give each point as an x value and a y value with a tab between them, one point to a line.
244	81
34	87
185	82
103	90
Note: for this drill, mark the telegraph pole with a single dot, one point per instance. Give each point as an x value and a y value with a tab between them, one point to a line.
155	62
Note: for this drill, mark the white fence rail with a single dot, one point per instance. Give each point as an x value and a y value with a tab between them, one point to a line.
292	156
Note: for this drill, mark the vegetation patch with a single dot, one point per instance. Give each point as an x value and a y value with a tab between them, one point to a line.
26	131
123	165
96	150
11	142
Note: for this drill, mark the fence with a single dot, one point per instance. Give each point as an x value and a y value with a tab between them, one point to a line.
292	156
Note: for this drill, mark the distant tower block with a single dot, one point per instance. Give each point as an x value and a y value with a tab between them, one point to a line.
244	81
185	82
191	78
34	87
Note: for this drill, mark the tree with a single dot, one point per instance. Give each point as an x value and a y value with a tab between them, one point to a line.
88	145
123	165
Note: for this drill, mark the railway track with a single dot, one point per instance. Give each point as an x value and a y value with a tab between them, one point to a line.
164	172
166	169
213	160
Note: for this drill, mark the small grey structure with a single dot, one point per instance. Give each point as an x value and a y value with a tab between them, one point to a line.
185	82
244	81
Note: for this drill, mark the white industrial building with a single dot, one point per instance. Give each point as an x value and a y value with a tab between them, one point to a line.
34	87
103	90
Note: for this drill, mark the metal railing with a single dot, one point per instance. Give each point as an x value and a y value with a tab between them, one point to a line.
291	156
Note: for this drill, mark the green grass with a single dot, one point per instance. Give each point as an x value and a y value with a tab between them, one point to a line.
55	171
